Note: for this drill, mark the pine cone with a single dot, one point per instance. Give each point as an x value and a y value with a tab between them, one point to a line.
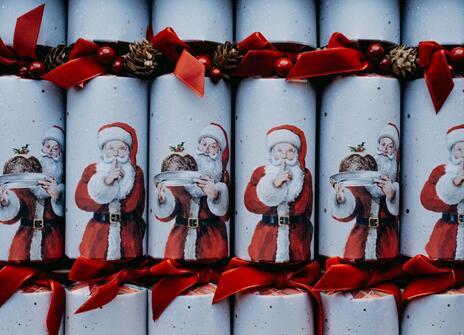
57	56
227	57
142	60
404	61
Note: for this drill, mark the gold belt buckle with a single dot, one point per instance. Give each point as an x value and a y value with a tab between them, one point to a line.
38	224
373	222
115	217
193	223
283	220
461	218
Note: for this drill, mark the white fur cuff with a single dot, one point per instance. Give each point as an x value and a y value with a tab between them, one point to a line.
447	191
220	205
99	191
58	204
268	194
345	209
393	205
165	209
10	211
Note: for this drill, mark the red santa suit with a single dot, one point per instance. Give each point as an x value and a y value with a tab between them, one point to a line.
439	194
199	231
117	227
284	232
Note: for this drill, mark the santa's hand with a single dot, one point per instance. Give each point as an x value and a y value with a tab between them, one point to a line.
51	187
114	174
339	193
386	185
208	186
161	193
283	176
4	197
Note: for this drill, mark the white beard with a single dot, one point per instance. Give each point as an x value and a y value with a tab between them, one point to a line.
52	168
210	166
387	166
126	183
295	185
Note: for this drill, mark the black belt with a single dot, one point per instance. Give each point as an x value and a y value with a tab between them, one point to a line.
283	220
39	224
114	217
374	222
453	218
195	222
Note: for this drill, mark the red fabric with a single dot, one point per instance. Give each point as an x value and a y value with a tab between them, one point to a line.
263	244
175	279
170	45
108	278
437	75
95	240
12	278
442	241
133	134
52	234
430	277
191	72
244	276
341	56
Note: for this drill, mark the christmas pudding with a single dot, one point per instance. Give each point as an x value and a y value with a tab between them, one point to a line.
178	161
22	162
358	161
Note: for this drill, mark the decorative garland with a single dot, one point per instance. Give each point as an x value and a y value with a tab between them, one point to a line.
191	62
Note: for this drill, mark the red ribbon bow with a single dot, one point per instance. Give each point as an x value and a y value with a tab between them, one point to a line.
243	276
430	277
341	56
175	279
340	276
437	74
106	279
25	39
12	278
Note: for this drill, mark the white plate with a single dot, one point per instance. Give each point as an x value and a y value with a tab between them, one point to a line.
177	178
21	180
355	178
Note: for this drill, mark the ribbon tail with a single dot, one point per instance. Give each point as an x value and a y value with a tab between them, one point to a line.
428	285
11	279
166	290
56	309
191	72
439	79
342	277
100	296
27	32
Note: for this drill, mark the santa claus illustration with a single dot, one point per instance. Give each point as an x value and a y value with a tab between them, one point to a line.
39	209
281	191
200	210
113	190
443	192
375	207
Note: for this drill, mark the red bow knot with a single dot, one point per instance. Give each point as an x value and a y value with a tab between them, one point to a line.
437	73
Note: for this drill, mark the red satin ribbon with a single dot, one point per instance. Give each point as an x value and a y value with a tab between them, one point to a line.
430	277
106	279
340	276
174	279
341	56
12	278
437	74
24	40
243	276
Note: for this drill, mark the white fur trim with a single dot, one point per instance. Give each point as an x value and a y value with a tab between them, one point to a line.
220	205
282	136
345	209
35	251
58	204
454	137
215	133
114	134
190	247
163	210
459	255
10	211
370	252
447	191
114	242
268	194
390	132
56	134
393	205
283	244
99	191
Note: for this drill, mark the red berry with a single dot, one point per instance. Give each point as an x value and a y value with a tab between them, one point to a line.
215	74
451	68
375	52
206	61
457	56
23	72
282	66
106	55
117	66
385	64
36	69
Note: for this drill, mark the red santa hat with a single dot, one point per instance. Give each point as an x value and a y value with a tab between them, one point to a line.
119	131
392	132
218	133
288	134
55	133
454	135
